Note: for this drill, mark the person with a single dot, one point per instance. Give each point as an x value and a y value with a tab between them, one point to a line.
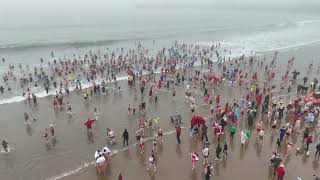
205	153
282	133
280	172
204	130
5	146
34	98
208	171
95	113
133	110
218	151
154	142
96	154
261	134
46	136
317	155
141	144
120	177
309	141
178	132
225	149
160	135
305	79
69	109
156	99
129	109
152	162
243	138
194	159
51	129
173	94
100	164
233	131
193	107
89	124
125	136
111	136
289	149
275	161
26	118
106	153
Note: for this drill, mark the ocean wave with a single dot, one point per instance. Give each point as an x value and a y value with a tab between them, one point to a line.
85	85
75	44
302	23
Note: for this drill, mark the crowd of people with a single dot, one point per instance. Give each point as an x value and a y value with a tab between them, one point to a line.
258	108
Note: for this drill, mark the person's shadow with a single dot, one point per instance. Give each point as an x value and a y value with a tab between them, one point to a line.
90	136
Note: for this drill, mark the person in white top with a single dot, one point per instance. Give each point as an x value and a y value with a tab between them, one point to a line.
106	153
111	136
100	164
205	152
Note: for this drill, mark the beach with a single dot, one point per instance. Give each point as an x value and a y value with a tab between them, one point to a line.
71	156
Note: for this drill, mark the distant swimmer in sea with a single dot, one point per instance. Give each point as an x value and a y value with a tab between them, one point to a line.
5	146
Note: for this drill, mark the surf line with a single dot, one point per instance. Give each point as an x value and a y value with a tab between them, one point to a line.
114	152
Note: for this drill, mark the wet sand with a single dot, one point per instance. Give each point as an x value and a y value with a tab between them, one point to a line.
33	159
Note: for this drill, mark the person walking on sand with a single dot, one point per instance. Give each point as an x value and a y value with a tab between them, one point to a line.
204	130
52	132
125	136
160	135
205	152
280	172
208	171
152	162
26	118
194	159
225	149
95	114
178	132
243	138
317	155
218	151
141	144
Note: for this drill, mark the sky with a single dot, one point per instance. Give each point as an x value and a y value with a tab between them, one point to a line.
32	12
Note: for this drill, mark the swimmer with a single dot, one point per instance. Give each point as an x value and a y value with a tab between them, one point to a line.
5	146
